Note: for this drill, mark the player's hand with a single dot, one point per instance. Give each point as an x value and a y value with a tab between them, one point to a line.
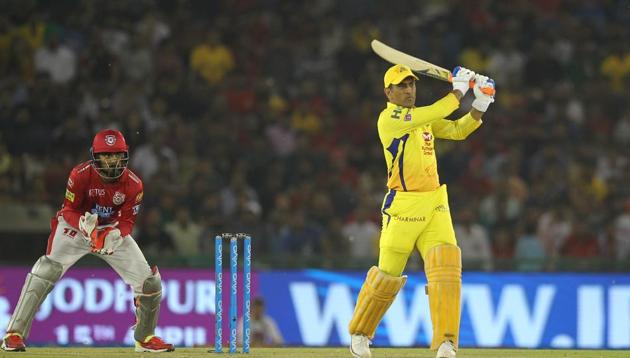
106	241
87	223
484	93
462	78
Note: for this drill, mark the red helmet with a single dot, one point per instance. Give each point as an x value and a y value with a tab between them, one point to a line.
109	141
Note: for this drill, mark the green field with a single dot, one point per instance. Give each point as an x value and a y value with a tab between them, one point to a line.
314	352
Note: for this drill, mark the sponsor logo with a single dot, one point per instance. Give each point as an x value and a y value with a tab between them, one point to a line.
70	196
103	211
96	192
139	196
409	219
427	147
396	113
441	208
70	182
118	198
110	139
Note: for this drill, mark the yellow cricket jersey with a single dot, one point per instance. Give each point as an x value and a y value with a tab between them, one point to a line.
407	135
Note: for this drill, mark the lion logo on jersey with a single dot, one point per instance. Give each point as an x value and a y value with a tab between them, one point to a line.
118	198
110	139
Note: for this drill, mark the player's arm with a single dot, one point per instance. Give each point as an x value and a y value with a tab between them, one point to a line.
129	212
396	120
484	90
455	130
73	199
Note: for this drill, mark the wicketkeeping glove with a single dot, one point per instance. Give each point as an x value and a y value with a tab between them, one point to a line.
461	79
106	241
87	223
484	93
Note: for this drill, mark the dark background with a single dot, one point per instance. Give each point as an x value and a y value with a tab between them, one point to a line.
260	116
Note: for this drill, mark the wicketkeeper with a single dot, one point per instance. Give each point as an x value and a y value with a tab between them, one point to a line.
415	210
101	204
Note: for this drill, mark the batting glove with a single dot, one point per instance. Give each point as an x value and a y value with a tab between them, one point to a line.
461	79
484	93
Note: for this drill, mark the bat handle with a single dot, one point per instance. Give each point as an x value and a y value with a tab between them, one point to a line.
486	90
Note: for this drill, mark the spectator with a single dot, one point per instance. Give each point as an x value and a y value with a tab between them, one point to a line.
152	237
211	59
299	235
503	247
184	232
159	70
362	234
622	234
264	330
530	252
56	60
554	226
580	244
473	240
148	158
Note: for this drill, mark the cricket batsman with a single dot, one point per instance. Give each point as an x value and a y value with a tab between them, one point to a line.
102	201
415	210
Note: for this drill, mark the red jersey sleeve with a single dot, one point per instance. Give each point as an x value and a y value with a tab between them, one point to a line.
130	209
74	197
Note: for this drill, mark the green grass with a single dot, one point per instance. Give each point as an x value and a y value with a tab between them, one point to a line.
313	352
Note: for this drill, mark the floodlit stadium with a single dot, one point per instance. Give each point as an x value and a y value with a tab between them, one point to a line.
315	178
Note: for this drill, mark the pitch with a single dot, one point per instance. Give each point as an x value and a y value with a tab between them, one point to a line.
313	352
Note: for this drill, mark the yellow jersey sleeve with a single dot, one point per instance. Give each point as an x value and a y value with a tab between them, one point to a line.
396	120
407	136
455	130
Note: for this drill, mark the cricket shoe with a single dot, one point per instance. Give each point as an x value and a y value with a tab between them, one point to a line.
446	350
360	346
154	344
13	342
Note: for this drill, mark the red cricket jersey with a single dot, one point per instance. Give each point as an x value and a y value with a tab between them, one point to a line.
113	202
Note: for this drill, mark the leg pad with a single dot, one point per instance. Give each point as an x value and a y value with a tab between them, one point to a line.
148	306
443	267
39	282
377	293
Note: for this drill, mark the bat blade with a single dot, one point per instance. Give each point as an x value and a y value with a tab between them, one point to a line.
417	65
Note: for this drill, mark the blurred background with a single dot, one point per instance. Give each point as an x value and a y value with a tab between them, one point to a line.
260	117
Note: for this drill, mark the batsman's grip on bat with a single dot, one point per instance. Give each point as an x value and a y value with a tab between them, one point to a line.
487	90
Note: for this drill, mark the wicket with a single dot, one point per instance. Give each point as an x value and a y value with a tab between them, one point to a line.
218	286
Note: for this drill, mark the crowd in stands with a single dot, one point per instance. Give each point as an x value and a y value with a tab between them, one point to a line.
260	117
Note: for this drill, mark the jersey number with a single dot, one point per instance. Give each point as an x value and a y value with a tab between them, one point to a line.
71	233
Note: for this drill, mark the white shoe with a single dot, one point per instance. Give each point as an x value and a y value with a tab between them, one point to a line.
446	350
360	346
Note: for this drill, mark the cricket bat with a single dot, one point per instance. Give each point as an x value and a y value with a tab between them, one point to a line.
417	65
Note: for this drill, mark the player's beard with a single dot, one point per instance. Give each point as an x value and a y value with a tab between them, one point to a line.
111	171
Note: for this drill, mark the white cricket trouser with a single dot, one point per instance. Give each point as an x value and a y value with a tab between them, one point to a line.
68	246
